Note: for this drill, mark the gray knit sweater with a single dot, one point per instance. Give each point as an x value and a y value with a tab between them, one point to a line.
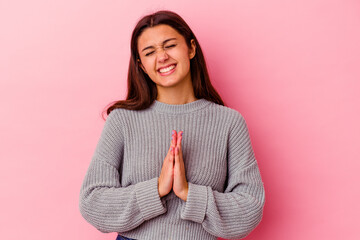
226	194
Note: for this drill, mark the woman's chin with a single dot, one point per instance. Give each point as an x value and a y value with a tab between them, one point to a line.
168	83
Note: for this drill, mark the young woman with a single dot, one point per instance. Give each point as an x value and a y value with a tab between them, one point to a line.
172	161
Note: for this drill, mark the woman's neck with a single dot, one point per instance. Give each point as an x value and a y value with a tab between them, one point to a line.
177	101
178	94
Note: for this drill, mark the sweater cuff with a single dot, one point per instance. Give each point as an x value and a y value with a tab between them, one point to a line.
196	202
148	199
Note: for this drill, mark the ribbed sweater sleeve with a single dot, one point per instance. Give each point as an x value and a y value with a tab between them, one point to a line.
234	213
104	203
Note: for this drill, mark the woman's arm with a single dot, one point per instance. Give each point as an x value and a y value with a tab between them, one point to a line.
103	202
234	213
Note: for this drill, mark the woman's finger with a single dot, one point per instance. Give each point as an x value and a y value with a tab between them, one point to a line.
178	143
173	141
173	138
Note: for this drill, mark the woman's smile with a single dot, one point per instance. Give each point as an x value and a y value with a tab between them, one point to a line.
167	70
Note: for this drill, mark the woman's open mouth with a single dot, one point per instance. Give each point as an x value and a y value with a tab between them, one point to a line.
167	70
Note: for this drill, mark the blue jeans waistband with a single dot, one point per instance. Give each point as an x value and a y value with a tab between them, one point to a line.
119	237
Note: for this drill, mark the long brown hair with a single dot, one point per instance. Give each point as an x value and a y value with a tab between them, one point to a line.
142	90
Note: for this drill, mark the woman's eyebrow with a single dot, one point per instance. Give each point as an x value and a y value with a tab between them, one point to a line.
163	43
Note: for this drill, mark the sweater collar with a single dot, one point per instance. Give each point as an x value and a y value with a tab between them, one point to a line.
179	108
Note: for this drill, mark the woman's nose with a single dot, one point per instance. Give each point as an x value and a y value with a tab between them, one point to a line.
162	55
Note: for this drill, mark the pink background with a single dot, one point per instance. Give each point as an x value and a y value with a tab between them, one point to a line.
290	67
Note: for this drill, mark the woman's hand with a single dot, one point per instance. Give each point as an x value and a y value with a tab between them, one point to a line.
180	185
167	171
172	174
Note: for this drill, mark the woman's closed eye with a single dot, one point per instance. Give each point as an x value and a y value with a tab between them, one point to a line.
149	53
170	46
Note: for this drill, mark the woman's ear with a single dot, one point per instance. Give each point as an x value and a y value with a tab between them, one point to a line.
192	51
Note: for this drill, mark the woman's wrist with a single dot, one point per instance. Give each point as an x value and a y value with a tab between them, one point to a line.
184	194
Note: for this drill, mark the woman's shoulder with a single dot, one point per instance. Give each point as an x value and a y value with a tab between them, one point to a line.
123	111
123	115
229	111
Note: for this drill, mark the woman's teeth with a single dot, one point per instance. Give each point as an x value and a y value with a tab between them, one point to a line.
164	70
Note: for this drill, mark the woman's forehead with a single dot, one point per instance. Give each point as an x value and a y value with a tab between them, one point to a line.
157	35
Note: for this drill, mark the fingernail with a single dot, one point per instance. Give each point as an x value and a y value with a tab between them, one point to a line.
173	131
181	133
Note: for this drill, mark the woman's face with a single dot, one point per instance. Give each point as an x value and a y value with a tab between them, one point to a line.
165	56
